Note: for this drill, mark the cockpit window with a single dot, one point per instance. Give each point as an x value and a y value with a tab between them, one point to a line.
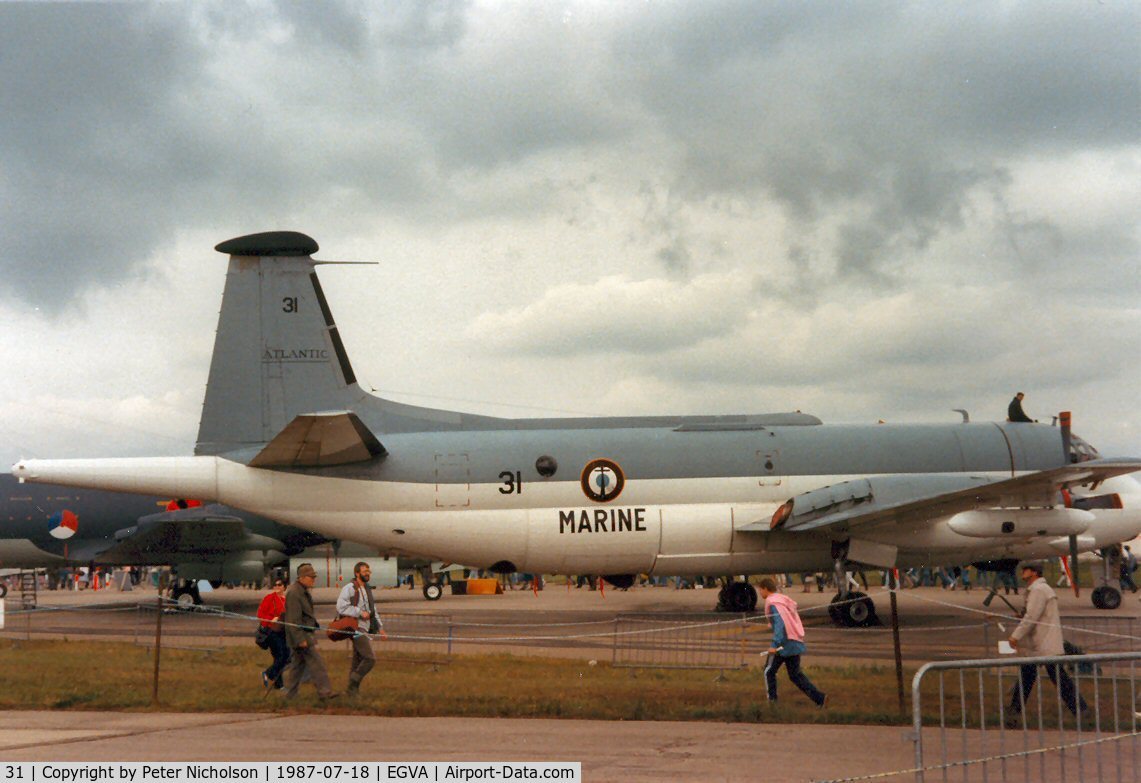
1080	451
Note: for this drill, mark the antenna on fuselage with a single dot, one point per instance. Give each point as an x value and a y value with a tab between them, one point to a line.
966	416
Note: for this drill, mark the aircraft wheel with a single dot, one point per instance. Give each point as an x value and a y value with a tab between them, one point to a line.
856	611
433	591
3	589
1106	597
739	597
186	595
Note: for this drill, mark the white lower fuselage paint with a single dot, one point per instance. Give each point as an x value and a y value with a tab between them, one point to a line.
658	526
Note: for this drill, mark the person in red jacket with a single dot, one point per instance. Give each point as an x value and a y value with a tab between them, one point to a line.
269	613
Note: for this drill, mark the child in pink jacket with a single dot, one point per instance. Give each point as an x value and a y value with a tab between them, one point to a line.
788	643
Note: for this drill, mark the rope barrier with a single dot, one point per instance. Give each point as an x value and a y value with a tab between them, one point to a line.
1009	618
758	620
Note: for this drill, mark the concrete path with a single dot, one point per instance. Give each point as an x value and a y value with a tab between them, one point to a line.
619	751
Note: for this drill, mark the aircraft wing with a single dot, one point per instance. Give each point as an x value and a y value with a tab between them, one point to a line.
900	499
194	532
314	440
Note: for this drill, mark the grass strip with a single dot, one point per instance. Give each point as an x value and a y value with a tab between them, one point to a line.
60	674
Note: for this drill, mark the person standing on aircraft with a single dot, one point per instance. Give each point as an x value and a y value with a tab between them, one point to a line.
356	601
1040	634
1014	411
269	613
300	623
788	643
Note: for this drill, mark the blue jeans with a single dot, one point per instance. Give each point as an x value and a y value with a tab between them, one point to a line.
280	652
792	662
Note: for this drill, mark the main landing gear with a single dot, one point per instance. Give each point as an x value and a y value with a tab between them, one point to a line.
1105	595
850	608
433	588
739	597
185	594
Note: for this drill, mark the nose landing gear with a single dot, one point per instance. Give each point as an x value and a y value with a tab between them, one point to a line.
853	610
850	608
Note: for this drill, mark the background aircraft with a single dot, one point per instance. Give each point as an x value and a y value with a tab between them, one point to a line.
287	432
46	526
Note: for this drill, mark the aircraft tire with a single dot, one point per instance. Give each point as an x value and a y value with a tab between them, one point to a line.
186	595
857	611
3	589
1106	597
433	591
739	597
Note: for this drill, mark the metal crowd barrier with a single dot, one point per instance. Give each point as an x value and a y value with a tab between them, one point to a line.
690	641
976	737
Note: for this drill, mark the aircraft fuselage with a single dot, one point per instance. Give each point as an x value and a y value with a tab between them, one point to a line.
686	491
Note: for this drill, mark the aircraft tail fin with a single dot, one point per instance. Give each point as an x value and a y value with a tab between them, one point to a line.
277	352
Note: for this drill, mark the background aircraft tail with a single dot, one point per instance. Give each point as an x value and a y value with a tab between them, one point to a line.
277	352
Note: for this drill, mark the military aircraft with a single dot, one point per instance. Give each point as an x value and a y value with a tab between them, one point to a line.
64	527
288	432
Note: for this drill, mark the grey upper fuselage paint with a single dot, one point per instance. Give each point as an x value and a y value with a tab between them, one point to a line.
665	453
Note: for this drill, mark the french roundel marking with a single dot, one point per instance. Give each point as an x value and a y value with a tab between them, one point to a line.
602	480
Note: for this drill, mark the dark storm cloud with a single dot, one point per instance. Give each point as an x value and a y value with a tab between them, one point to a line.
125	123
80	106
898	110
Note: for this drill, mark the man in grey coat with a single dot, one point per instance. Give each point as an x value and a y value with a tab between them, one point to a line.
300	622
1040	634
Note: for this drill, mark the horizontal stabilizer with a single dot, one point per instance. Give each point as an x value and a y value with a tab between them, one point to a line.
316	440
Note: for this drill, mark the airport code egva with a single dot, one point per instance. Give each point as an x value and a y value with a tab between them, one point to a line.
436	771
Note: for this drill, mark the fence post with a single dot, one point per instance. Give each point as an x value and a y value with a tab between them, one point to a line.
895	640
158	639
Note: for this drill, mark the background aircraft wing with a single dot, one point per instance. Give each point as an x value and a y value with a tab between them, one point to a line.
900	499
193	532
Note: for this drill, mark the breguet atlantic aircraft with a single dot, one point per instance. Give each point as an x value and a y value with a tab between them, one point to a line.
287	432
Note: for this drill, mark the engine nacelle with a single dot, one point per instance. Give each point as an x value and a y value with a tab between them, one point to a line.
1021	522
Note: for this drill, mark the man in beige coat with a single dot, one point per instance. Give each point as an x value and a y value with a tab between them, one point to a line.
1040	634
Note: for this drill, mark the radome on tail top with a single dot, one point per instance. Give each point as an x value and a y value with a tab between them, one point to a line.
288	433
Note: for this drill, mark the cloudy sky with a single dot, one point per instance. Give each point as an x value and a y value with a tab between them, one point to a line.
863	211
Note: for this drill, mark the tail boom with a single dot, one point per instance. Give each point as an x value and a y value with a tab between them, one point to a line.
182	477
